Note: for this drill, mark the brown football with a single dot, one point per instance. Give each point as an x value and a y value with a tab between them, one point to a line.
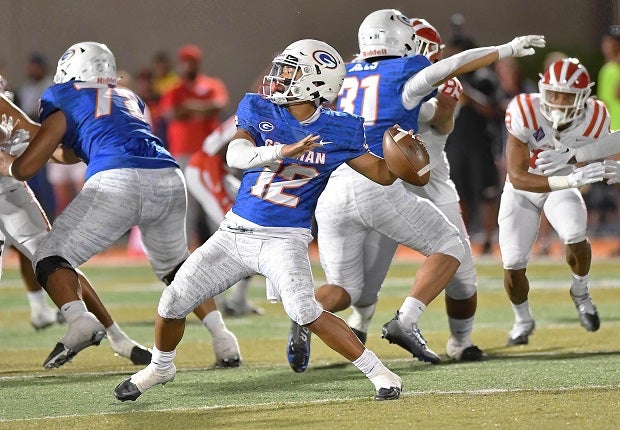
406	156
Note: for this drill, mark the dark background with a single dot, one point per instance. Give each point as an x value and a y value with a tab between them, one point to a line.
239	38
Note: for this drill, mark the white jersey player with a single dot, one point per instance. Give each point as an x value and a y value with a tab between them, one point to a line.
461	294
561	116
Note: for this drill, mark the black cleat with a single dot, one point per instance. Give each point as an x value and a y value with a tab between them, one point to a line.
140	355
127	390
408	338
361	335
588	315
391	393
520	333
298	349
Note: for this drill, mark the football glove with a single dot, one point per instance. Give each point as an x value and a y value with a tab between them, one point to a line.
589	174
14	142
550	161
612	171
521	46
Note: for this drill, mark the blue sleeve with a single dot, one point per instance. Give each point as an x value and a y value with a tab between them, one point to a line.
244	116
47	105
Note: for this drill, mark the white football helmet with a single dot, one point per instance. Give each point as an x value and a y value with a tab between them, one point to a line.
567	76
427	39
385	33
317	74
87	62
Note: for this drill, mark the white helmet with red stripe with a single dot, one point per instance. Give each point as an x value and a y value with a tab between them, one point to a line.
427	39
564	89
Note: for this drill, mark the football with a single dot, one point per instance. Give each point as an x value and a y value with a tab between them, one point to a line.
406	156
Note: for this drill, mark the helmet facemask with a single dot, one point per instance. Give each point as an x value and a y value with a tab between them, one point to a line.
307	70
427	40
564	89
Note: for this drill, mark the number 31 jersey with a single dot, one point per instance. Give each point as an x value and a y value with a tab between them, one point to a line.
284	193
106	127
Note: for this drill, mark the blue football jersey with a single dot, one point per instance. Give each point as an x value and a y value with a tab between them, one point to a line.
373	91
105	126
285	193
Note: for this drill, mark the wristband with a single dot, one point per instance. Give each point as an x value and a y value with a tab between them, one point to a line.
558	182
504	51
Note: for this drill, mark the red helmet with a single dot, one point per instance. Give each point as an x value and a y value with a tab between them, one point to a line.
570	77
427	39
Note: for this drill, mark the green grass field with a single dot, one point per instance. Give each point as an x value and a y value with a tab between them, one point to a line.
565	378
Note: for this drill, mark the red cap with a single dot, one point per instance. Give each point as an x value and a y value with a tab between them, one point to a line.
189	52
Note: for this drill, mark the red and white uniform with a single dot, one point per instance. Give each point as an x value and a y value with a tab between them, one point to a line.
520	211
207	178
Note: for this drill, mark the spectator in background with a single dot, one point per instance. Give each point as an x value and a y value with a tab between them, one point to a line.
27	98
608	91
474	147
608	84
192	108
164	77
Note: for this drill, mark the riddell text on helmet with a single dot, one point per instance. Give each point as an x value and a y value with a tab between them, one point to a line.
374	52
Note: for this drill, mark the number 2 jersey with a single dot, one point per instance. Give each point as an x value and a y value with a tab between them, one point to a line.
285	192
374	91
106	127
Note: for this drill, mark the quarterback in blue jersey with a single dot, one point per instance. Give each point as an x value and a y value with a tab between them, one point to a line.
386	85
268	229
130	180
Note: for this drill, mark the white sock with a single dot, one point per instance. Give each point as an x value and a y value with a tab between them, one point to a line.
361	317
36	299
368	363
115	334
162	359
410	311
522	312
214	322
73	310
579	286
460	330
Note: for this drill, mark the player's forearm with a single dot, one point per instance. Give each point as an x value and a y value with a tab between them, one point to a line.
242	154
602	148
424	82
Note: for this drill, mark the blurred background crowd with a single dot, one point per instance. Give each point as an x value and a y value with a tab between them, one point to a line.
168	73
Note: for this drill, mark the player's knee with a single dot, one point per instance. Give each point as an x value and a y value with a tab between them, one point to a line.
453	248
172	305
574	238
48	265
303	313
515	263
461	289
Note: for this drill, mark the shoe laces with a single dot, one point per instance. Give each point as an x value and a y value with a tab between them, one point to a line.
415	332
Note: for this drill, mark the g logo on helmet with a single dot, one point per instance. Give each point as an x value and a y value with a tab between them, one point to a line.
325	59
70	53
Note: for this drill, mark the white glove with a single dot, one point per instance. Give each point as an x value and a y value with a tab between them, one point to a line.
589	174
612	171
14	141
550	161
521	46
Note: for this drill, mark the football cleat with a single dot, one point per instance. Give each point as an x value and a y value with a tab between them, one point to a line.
520	333
298	348
362	336
409	338
464	353
132	350
232	309
587	312
132	388
226	349
44	318
388	385
85	331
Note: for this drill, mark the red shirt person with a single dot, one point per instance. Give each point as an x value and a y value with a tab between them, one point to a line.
192	106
